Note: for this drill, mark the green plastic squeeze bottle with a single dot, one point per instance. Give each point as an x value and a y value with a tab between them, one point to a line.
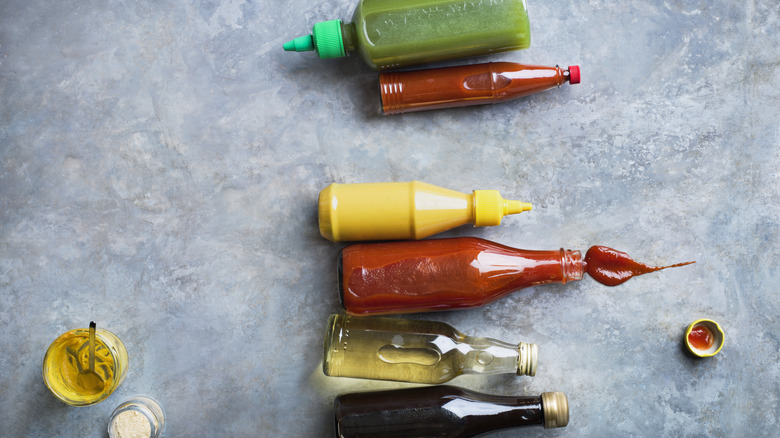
397	33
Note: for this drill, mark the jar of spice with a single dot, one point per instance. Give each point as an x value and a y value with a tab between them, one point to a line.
138	417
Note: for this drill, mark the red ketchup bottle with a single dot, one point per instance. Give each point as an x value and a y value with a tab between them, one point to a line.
445	274
467	85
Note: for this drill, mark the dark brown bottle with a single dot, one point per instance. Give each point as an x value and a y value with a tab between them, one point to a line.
443	411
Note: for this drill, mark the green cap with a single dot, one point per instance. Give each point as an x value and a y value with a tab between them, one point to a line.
325	38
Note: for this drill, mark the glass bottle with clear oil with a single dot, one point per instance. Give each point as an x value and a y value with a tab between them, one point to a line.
416	351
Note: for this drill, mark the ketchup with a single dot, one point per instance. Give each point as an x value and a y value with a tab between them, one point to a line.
611	267
446	274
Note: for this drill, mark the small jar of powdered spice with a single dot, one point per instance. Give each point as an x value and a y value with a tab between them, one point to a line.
138	417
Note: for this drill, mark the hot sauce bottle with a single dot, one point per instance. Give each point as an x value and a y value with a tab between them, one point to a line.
389	34
443	411
468	85
446	274
416	351
406	210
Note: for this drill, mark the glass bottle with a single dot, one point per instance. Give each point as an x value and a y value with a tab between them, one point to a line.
466	85
443	411
406	210
390	34
444	274
416	351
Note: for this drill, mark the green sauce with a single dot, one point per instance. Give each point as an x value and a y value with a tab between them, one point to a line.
398	33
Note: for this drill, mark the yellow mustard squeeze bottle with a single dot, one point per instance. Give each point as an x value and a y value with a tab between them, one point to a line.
406	210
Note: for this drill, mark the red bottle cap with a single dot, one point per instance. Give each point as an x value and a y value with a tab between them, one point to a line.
574	74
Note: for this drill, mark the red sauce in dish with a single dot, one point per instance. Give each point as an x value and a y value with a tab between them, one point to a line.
701	338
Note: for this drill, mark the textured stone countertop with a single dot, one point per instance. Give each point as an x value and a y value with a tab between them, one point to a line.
160	163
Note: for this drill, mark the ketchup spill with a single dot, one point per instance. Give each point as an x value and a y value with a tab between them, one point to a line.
612	267
701	337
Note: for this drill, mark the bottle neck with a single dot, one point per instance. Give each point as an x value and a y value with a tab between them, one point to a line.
572	266
523	80
503	269
349	37
491	356
561	76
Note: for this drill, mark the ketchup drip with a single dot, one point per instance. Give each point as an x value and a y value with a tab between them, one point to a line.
611	267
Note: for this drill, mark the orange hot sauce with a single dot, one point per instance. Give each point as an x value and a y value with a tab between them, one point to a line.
701	338
443	274
468	85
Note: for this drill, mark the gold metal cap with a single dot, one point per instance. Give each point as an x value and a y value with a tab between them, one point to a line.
526	360
555	406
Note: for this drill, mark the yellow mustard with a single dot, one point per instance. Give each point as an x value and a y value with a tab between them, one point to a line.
406	210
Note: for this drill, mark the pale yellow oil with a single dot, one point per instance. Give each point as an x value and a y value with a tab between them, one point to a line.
409	350
66	367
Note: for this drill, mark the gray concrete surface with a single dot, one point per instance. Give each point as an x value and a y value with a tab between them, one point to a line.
160	163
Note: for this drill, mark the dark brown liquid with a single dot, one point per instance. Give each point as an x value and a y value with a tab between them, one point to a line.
611	267
433	411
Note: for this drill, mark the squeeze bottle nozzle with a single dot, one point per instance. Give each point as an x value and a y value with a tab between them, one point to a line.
326	39
490	207
514	207
300	44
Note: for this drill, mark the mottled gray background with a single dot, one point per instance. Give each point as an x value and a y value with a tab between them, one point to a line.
160	163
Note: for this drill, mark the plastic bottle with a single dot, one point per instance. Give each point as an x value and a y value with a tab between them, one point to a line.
468	85
389	34
405	210
416	351
446	274
444	412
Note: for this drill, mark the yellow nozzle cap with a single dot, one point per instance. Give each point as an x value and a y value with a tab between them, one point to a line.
490	207
514	207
